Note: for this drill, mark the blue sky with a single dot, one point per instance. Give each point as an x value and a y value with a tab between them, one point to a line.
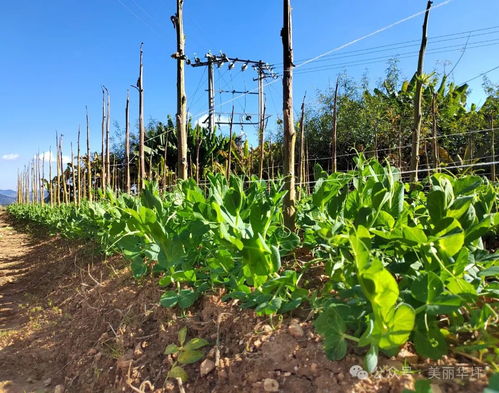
56	54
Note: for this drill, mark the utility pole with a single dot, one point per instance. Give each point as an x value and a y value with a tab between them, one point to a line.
335	126
289	127
178	24
89	161
127	141
418	113
211	95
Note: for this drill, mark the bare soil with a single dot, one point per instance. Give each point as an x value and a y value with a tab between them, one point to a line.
74	321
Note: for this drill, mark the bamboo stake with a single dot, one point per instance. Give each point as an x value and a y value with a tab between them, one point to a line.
58	166
72	174
42	181
140	87
78	183
334	141
301	166
63	172
51	187
127	141
418	115
108	129
89	161
103	144
229	161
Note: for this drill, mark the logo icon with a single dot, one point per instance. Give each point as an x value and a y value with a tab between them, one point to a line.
359	372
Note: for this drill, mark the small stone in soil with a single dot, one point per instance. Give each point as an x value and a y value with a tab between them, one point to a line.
270	385
59	389
295	330
206	367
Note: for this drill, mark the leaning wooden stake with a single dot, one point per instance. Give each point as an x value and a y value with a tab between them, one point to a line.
178	23
289	127
418	113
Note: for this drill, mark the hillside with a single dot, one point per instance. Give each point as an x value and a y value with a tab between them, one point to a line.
6	198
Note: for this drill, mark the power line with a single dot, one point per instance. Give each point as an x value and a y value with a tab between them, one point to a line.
409	43
482	74
404	55
350	43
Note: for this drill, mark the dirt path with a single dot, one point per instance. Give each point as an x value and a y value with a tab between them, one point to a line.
15	258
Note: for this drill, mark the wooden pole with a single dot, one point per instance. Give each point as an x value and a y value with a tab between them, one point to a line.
73	182
108	129
42	181
289	127
436	162
140	87
127	141
493	167
78	184
89	161
51	187
103	142
58	166
178	22
229	161
63	172
418	114
261	118
334	139
301	167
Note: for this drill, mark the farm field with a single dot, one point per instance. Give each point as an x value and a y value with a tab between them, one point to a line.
249	197
381	277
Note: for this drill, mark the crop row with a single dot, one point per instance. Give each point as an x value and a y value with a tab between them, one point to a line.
394	264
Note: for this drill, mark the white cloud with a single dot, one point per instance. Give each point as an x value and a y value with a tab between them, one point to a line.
50	156
10	156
